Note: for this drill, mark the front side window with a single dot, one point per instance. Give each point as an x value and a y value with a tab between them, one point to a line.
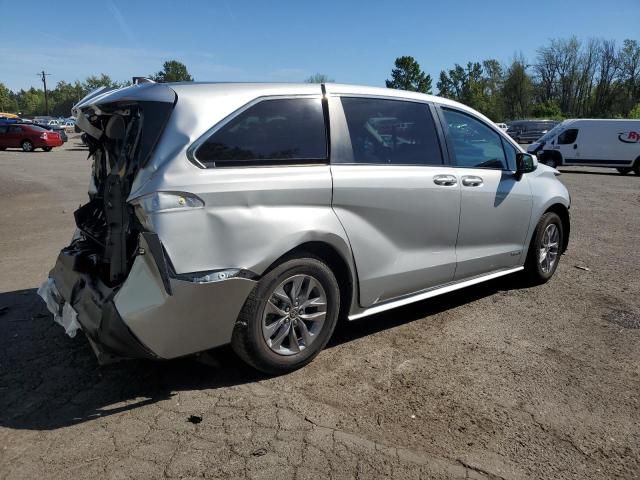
568	137
391	132
475	145
271	132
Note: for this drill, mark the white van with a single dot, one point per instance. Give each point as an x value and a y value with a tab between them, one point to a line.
591	142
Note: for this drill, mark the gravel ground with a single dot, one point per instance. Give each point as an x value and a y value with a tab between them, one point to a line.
496	381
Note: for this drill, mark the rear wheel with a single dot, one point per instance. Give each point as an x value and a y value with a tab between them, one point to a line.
636	166
288	317
47	149
27	146
545	249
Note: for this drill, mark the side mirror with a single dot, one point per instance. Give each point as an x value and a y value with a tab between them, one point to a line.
525	163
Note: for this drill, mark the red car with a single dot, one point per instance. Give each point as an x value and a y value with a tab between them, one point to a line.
28	137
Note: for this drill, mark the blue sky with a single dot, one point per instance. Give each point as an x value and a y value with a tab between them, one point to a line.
352	42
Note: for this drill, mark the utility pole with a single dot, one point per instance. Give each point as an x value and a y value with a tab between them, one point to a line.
46	97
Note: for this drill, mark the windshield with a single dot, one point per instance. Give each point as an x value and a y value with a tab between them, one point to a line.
552	133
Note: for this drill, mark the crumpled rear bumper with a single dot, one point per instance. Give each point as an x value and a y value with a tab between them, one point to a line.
149	315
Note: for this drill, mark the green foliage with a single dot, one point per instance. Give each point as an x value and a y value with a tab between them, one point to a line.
172	71
476	85
635	112
6	104
408	76
518	90
319	78
548	109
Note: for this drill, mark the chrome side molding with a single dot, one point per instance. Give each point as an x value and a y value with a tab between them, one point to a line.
432	293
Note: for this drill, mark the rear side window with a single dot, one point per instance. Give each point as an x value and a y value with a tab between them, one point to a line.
271	132
391	132
3	129
568	137
15	129
475	145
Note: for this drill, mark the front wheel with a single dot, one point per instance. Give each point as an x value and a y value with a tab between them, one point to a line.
47	149
545	249
288	317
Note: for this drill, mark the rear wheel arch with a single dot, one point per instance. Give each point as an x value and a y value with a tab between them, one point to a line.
335	260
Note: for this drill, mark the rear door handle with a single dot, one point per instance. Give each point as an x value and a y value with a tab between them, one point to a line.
445	180
471	181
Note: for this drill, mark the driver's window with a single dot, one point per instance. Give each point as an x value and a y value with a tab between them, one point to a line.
475	145
568	137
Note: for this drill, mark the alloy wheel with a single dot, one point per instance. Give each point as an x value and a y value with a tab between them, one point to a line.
549	248
294	314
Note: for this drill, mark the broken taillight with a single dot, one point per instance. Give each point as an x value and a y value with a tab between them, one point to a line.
44	135
164	202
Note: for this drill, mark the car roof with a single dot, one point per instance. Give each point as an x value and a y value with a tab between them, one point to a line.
188	89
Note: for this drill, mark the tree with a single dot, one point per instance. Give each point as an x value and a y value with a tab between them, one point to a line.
103	80
408	76
517	90
172	71
5	99
630	74
635	112
65	96
319	78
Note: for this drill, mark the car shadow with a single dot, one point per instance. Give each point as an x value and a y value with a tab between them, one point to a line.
49	381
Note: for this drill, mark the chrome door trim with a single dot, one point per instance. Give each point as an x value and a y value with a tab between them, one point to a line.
433	293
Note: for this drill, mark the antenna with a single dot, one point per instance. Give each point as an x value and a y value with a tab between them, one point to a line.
44	75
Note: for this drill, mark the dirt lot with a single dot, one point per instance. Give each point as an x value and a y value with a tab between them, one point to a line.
496	381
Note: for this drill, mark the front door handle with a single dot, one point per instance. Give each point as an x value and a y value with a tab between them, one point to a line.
472	181
445	180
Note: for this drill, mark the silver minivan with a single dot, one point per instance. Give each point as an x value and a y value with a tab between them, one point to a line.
258	215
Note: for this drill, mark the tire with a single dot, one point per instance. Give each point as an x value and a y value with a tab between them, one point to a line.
636	167
264	338
624	170
27	146
47	149
551	161
538	269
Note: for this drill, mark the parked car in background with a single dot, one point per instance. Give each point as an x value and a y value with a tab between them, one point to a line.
27	137
56	128
527	131
502	126
284	207
592	142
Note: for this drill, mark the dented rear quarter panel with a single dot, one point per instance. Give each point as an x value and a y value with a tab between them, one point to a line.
252	215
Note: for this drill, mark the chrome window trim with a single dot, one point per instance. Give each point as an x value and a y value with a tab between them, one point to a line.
191	151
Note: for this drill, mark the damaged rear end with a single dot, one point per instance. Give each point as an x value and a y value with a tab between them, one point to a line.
115	281
123	127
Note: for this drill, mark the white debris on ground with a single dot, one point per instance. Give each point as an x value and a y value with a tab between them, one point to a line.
65	316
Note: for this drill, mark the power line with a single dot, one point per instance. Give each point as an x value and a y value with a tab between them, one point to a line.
44	75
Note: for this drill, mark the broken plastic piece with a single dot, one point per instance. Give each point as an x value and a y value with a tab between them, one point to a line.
63	313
